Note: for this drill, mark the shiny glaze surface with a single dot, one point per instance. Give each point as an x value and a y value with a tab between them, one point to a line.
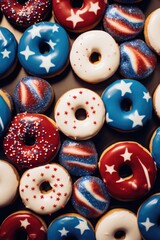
155	146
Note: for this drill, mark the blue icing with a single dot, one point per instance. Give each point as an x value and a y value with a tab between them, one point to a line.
47	63
122	91
5	116
148	218
67	227
155	149
8	50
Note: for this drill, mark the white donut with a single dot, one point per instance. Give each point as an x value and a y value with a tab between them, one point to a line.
36	198
116	221
85	47
9	182
156	100
152	31
67	106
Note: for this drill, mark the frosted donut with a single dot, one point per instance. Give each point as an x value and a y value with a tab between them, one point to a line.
94	62
123	22
78	157
69	226
156	100
67	106
32	140
128	170
137	61
33	95
118	223
46	46
8	52
79	17
32	225
9	183
38	199
26	13
148	218
155	145
151	30
130	101
90	197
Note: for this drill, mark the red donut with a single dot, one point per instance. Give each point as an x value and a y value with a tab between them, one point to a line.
32	140
26	222
79	16
25	13
128	170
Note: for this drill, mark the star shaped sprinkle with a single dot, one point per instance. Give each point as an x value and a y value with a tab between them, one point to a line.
46	63
126	155
27	53
82	226
94	7
136	119
108	119
147	224
63	232
55	28
51	44
35	32
110	169
124	87
146	96
75	18
24	223
6	53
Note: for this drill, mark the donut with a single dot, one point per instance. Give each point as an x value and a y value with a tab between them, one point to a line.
45	189
90	197
73	101
118	223
24	14
79	16
123	22
6	109
148	218
154	146
70	226
137	61
46	46
130	101
24	221
128	170
78	157
9	183
8	52
151	30
32	140
93	62
156	100
33	95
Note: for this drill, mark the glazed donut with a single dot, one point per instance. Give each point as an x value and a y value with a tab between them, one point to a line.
8	52
46	46
9	183
151	30
93	62
90	197
123	22
118	223
156	100
79	157
128	170
155	145
33	95
70	226
67	107
31	140
35	196
148	218
137	61
78	18
33	226
130	101
27	13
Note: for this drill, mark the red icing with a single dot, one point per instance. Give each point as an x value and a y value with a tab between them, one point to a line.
141	163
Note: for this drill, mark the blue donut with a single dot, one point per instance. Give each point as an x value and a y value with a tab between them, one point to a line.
44	49
155	146
8	52
128	105
148	218
70	226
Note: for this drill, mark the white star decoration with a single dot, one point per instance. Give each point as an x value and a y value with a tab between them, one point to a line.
6	53
147	224
82	226
24	223
136	119
146	96
126	155
63	232
55	28
27	53
110	169
108	120
124	87
51	44
35	31
75	18
94	7
46	63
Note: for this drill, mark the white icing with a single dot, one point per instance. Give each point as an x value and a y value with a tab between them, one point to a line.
9	181
88	43
52	200
69	103
156	100
118	220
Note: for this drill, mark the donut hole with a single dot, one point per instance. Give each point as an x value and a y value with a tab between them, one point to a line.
22	2
44	48
126	104
77	3
120	234
95	57
45	187
125	171
20	234
29	139
80	114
